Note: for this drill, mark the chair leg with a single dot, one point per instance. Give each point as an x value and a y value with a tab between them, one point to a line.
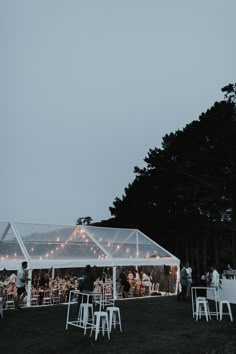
230	313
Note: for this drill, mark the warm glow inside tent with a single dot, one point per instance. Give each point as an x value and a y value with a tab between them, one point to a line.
70	246
74	246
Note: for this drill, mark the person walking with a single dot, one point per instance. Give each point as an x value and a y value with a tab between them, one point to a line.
22	278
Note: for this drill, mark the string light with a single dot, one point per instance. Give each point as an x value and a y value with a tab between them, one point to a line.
94	251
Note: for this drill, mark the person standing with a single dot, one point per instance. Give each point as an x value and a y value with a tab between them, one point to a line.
189	278
125	285
146	283
184	284
86	283
215	278
21	279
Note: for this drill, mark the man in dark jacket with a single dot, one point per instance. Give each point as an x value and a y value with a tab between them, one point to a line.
86	283
87	280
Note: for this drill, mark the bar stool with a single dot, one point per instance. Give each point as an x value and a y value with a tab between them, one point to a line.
100	322
202	308
227	303
114	317
85	316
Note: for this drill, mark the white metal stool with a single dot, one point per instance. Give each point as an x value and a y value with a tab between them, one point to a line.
227	303
202	308
85	316
114	317
100	322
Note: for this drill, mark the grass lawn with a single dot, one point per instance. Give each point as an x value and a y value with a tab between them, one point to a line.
151	325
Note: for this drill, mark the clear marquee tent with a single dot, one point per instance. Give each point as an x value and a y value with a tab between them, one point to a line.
73	246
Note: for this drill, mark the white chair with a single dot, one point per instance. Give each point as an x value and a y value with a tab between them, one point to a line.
202	308
34	298
47	298
229	313
55	296
34	301
101	323
10	303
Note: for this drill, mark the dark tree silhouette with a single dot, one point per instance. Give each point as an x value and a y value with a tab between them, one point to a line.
185	197
85	220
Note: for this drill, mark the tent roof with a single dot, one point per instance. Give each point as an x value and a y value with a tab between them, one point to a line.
68	246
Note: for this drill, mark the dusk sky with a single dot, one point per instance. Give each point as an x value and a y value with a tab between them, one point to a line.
88	87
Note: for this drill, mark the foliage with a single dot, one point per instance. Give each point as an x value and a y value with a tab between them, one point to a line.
185	197
85	220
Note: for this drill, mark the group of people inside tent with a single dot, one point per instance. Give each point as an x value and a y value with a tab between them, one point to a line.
129	283
134	283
